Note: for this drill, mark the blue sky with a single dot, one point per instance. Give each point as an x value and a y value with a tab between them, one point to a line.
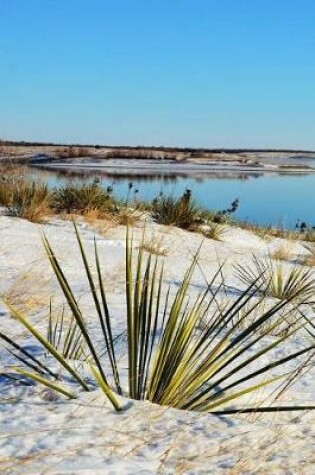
230	73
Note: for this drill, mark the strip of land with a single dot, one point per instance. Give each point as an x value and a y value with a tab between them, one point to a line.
154	159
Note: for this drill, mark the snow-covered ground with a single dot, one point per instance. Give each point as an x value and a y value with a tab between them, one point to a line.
41	434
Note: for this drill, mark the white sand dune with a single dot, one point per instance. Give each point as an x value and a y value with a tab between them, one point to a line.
44	434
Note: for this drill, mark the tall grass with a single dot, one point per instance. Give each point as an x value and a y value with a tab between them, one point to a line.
172	359
31	202
181	212
25	199
81	198
309	259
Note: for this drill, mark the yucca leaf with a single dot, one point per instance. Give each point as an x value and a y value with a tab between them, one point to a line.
46	382
221	401
75	309
45	343
106	323
253	410
27	354
105	388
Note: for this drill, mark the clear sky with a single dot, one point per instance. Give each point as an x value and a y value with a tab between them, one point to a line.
162	72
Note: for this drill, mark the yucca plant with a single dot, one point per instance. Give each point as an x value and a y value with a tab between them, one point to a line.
275	279
172	359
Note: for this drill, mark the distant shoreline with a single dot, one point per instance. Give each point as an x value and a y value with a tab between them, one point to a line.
125	167
157	159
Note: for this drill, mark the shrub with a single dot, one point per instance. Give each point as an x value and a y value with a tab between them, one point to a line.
72	152
28	200
21	197
181	212
81	198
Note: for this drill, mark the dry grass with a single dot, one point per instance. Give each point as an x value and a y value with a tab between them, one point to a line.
271	232
99	220
21	293
26	200
283	252
155	246
35	211
95	214
23	198
103	221
214	231
127	217
72	152
9	175
309	259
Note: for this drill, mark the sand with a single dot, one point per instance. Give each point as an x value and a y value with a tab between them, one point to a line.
44	434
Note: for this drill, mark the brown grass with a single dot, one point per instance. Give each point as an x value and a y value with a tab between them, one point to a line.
214	231
270	232
155	246
99	220
309	259
72	152
103	221
21	293
27	200
30	202
283	253
127	217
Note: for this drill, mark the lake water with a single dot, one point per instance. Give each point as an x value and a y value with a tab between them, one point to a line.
265	199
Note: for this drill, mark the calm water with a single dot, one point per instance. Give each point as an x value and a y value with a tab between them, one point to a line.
278	200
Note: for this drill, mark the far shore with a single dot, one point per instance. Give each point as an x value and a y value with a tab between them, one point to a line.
169	167
152	160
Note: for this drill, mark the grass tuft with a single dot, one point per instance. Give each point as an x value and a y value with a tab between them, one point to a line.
214	231
181	212
283	253
82	198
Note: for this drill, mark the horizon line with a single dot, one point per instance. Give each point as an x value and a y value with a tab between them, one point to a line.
28	143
